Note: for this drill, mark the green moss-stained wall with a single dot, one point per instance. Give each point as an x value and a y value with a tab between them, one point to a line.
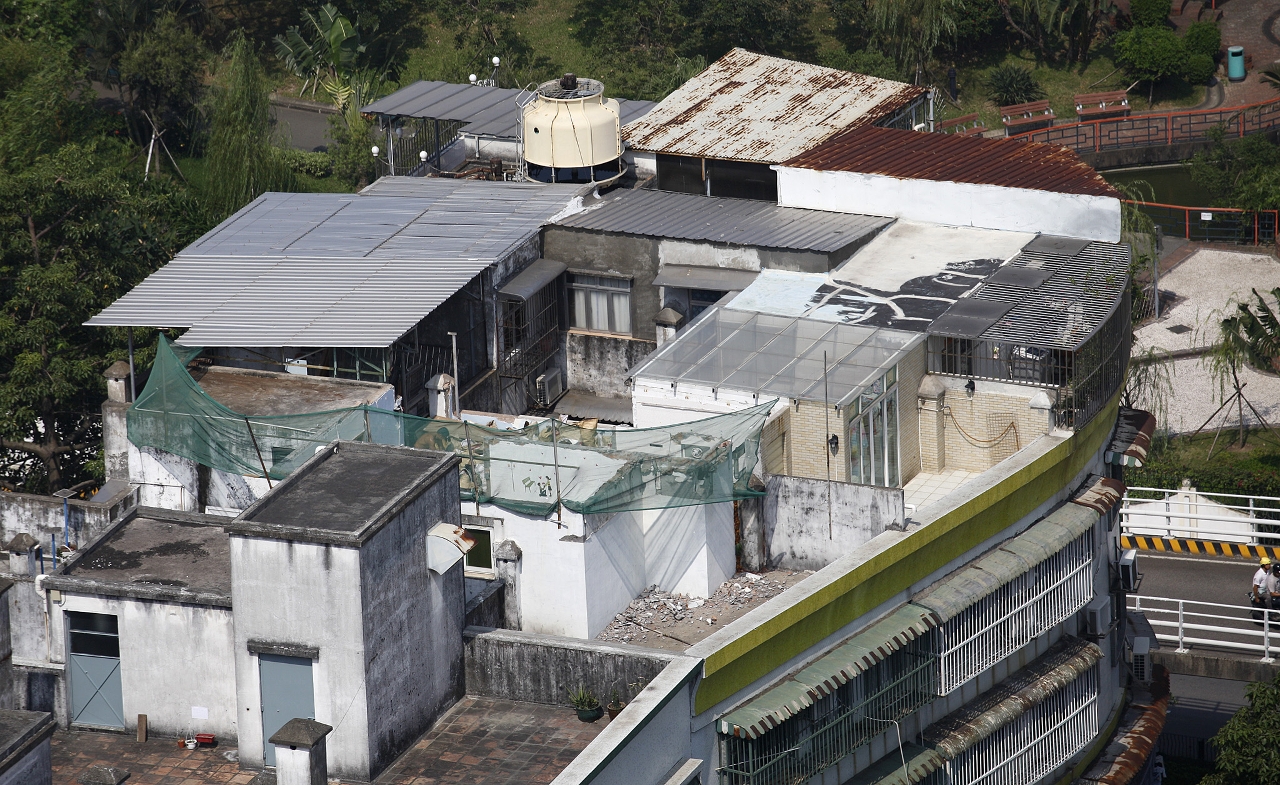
789	633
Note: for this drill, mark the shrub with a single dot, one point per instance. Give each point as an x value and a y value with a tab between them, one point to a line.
311	164
1203	38
1200	68
1011	84
1150	13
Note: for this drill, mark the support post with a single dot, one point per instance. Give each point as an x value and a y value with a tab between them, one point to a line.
457	403
133	385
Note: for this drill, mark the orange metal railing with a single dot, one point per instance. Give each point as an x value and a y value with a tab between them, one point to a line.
1213	224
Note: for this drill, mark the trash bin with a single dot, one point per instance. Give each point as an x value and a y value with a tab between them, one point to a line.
1235	63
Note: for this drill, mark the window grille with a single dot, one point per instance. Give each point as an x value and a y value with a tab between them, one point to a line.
1012	616
1034	744
600	304
836	725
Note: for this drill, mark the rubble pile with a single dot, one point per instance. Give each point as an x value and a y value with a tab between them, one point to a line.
658	613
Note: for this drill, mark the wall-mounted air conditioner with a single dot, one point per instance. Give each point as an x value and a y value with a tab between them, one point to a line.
1128	568
550	387
1141	659
1097	616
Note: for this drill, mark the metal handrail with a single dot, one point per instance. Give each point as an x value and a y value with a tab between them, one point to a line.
1183	518
1200	493
1181	624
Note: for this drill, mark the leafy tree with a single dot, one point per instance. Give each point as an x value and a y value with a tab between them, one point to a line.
239	152
912	29
77	230
1151	54
1199	68
772	27
650	29
870	61
1057	27
43	20
1249	744
352	135
161	71
1009	84
1150	13
1203	38
483	29
1242	173
326	46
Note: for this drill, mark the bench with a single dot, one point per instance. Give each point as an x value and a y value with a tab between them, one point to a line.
966	125
1026	117
1092	106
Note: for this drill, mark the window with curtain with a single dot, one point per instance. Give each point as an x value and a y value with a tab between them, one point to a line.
600	304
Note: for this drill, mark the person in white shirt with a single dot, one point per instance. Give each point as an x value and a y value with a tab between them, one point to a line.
1260	579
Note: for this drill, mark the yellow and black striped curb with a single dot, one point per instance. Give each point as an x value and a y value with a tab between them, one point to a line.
1237	550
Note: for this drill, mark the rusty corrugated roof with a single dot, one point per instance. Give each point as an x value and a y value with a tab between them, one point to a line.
752	107
958	159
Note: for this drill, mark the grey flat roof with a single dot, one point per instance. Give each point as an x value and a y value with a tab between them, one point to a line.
337	270
487	111
721	220
153	550
266	393
341	491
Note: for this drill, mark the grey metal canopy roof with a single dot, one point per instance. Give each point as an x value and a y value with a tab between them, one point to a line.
487	111
777	355
733	221
337	270
1050	294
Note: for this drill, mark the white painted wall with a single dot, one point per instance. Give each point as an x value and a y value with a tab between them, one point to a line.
646	164
952	204
164	480
575	577
173	657
308	594
731	257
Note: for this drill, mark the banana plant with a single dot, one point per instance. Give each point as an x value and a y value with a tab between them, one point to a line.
327	46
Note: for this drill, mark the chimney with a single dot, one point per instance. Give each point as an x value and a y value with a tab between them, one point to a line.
24	555
301	758
117	377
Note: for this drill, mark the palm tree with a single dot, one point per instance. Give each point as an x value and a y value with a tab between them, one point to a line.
1253	333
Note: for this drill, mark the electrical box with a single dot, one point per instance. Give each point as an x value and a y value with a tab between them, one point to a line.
1097	616
1129	577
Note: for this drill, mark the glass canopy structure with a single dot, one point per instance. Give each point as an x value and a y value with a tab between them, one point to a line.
779	356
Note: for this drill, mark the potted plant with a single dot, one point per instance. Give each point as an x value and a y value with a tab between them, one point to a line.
587	704
615	705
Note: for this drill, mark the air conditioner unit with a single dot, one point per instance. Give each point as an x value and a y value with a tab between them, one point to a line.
550	387
1097	616
1141	659
1128	567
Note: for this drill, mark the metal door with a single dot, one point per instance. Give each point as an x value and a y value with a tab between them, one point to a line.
94	662
286	693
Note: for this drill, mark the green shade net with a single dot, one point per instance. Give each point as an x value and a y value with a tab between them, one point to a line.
521	470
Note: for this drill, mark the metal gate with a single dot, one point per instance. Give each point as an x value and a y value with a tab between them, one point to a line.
94	661
286	693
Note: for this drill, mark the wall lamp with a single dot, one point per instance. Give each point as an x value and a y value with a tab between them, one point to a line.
970	387
834	444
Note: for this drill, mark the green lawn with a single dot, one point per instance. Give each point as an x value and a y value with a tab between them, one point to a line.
1099	75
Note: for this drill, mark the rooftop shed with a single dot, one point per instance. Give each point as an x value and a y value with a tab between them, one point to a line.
753	107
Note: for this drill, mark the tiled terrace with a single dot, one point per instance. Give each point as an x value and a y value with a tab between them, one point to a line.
925	489
480	740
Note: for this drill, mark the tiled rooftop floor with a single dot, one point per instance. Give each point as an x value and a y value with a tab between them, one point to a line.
925	489
479	740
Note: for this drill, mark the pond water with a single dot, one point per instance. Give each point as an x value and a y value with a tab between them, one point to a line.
1171	184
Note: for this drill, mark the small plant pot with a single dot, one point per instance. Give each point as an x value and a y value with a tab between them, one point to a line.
590	715
615	709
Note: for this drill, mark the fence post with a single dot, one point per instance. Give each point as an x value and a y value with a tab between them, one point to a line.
1255	240
1266	636
1182	648
1186	219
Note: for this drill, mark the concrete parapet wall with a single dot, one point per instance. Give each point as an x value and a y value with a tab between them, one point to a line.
798	533
42	516
522	666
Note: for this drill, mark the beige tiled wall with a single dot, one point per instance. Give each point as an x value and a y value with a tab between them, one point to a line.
981	429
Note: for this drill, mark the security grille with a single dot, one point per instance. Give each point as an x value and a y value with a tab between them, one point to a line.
836	725
1013	615
1034	744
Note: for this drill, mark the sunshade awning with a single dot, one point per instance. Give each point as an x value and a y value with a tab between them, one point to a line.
842	664
1132	439
531	279
716	279
1013	558
921	762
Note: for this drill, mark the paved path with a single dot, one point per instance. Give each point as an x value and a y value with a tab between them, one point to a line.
1206	283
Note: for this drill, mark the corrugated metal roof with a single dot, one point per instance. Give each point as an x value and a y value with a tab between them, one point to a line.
959	159
487	111
801	690
751	107
340	270
1004	703
721	220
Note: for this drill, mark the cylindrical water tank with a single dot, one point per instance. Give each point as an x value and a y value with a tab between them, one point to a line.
571	125
1235	63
